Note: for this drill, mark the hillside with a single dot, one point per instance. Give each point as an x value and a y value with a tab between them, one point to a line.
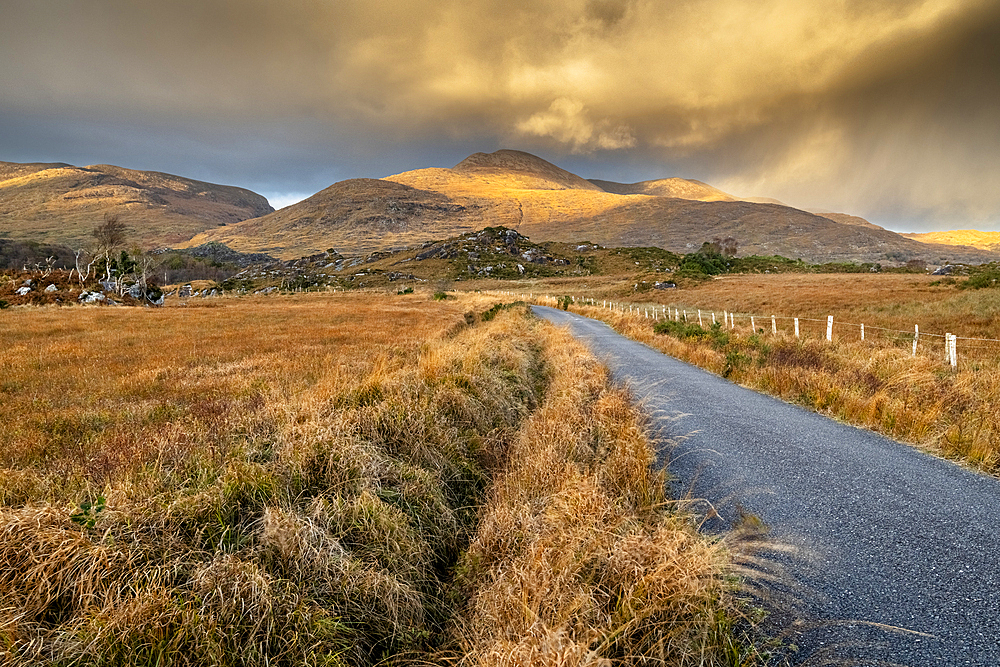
965	237
524	192
60	203
680	188
355	217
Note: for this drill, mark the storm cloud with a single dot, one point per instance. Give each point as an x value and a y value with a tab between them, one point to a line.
890	110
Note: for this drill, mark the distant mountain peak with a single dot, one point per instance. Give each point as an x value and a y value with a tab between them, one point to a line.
519	163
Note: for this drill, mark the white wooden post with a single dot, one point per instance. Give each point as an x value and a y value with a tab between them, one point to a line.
796	327
699	318
753	325
732	320
774	326
829	328
953	348
916	337
685	315
862	331
713	318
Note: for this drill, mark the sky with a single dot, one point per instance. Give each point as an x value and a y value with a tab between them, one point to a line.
887	109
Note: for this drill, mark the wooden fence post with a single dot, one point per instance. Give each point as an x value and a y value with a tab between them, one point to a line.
753	325
916	337
774	326
862	331
796	327
699	319
953	349
829	329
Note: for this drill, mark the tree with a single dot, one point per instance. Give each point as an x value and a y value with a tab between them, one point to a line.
110	236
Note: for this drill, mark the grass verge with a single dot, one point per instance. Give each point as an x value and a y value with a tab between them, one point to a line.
874	385
298	481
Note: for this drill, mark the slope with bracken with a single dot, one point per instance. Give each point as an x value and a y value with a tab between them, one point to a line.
60	203
547	203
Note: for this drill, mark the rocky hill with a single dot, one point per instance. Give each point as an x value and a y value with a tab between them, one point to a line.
61	204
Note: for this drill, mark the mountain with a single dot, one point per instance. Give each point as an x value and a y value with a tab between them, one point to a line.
546	203
60	203
845	219
680	188
356	216
966	237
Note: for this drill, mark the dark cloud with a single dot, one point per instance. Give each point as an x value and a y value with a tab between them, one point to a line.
885	109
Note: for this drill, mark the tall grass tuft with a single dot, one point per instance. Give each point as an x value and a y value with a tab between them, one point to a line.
577	559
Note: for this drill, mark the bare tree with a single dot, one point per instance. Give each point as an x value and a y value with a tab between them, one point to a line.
81	275
110	236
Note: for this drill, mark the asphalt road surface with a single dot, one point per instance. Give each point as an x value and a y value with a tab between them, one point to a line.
886	556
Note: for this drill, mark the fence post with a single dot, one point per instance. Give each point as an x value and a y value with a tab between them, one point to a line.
796	327
953	348
862	331
829	329
774	326
753	325
916	337
732	320
713	318
699	319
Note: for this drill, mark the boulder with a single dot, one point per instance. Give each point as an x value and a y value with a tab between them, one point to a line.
52	288
21	291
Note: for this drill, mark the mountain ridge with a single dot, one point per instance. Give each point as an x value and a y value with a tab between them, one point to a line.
62	203
547	203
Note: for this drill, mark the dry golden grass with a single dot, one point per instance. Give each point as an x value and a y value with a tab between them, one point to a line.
970	237
293	480
875	383
577	560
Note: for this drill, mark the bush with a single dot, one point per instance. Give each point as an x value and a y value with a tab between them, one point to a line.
715	334
441	296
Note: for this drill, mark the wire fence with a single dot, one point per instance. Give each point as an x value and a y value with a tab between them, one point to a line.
950	348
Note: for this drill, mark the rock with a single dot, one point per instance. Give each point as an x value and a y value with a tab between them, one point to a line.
52	288
665	285
184	291
943	270
91	297
135	291
21	291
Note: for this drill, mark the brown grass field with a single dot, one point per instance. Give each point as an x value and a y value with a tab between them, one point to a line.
876	383
343	479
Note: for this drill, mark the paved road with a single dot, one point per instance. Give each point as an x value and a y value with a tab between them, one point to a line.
894	555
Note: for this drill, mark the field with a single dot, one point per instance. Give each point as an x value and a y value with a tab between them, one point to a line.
342	479
877	382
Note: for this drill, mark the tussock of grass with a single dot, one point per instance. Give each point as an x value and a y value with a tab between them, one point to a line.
577	560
